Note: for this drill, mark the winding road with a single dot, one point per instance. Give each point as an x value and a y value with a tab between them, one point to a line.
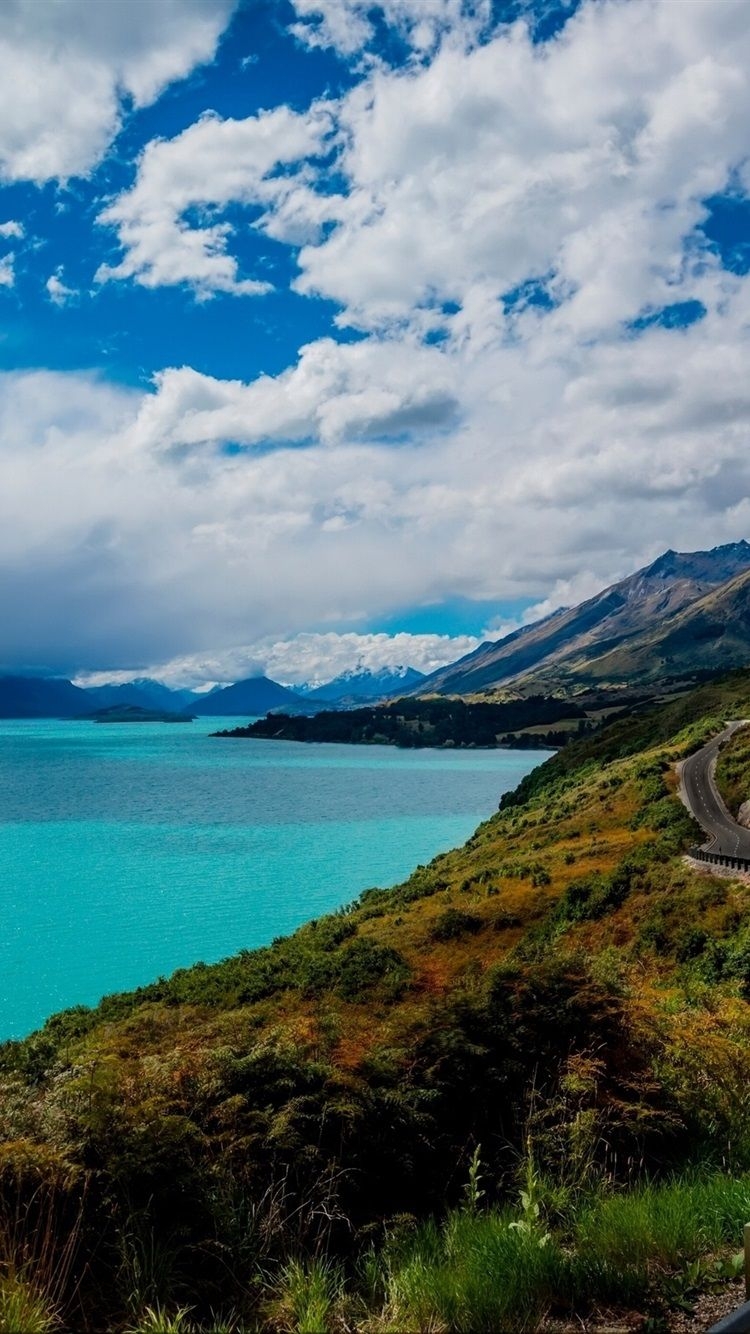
701	796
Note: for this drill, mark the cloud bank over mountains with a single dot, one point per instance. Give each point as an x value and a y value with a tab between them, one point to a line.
534	375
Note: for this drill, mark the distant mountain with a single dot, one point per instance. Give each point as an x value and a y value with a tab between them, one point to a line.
361	685
142	693
622	634
255	696
41	697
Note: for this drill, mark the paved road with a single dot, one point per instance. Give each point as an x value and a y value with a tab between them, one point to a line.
700	794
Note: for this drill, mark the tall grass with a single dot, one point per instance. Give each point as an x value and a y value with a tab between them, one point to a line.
39	1237
476	1272
661	1224
23	1307
308	1294
485	1271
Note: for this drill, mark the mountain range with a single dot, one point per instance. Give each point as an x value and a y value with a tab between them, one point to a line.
51	697
362	685
685	614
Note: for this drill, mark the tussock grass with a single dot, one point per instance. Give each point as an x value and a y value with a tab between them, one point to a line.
308	1293
23	1307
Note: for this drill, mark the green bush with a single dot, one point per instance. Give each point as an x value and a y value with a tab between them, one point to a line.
365	965
453	924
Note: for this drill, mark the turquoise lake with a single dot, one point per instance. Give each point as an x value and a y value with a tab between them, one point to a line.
130	850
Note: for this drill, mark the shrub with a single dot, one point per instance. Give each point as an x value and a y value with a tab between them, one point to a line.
453	923
364	965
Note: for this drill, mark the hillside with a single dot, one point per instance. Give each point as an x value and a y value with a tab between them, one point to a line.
632	630
561	1004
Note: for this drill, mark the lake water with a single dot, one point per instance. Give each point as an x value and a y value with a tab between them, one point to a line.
129	850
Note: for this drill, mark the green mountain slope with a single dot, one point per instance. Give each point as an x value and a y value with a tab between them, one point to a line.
564	1000
558	652
711	634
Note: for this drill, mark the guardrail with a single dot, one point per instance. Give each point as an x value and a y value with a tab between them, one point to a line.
738	1321
721	859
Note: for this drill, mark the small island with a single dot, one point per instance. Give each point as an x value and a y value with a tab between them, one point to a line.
134	713
433	722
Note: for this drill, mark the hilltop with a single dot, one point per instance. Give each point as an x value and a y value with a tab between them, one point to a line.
563	1002
680	616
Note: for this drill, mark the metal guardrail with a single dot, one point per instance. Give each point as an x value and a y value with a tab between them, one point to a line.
738	1321
721	859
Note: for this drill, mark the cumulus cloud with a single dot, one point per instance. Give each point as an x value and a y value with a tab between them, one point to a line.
211	164
59	292
65	70
11	230
581	164
358	391
348	27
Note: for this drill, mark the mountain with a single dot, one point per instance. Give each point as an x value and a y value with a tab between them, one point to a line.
578	645
711	634
256	695
142	693
41	697
363	686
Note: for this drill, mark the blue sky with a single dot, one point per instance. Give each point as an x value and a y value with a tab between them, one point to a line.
334	331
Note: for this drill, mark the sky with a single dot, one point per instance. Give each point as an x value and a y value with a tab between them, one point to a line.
337	332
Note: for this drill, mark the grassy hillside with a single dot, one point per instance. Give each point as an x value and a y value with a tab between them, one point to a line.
527	1062
683	616
733	771
711	633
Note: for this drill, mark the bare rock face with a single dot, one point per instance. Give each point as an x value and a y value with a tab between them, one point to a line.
743	815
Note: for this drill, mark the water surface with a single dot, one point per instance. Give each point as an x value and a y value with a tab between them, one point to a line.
131	849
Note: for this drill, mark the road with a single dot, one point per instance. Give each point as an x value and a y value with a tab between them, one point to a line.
700	794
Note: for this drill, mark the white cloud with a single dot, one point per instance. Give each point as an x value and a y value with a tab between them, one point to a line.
209	165
347	25
117	552
7	271
582	163
59	292
66	68
11	230
356	391
303	658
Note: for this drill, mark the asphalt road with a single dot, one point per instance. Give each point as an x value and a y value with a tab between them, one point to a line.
700	794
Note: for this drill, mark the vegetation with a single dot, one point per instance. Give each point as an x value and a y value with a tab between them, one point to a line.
733	771
514	1085
429	722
